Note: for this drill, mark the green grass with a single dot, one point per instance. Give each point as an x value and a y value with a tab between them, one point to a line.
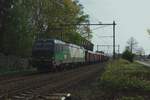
13	71
132	98
121	76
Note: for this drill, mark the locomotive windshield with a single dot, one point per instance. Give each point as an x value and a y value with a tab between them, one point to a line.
43	48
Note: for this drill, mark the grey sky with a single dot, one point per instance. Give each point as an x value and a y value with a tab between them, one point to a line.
132	18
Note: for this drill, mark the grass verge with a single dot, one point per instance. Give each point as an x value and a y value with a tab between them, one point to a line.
14	71
123	80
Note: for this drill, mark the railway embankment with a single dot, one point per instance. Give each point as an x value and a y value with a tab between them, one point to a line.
10	65
123	80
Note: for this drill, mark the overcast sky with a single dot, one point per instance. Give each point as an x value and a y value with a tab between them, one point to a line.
132	18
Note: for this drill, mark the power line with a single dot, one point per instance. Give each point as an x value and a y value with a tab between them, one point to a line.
90	24
109	46
105	36
108	24
99	28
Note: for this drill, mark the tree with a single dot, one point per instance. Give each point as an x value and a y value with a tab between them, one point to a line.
4	6
148	30
23	21
132	44
18	28
128	55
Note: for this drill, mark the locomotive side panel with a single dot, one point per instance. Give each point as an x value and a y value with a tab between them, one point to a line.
61	54
68	54
77	54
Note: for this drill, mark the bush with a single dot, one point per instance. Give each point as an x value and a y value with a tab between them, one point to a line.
128	55
122	76
132	98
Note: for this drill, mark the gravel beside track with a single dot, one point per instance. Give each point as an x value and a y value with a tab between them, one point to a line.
10	77
40	86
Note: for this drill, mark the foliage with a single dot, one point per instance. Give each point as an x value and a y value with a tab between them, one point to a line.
4	5
128	55
28	20
132	44
132	98
123	76
18	34
14	71
148	30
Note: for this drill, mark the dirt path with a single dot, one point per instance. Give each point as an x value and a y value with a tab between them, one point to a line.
144	63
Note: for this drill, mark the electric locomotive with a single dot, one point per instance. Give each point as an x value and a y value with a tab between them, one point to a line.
51	54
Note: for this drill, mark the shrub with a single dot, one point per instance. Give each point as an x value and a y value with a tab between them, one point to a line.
132	98
124	76
128	55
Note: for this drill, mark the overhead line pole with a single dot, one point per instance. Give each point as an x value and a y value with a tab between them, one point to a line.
114	40
118	51
114	36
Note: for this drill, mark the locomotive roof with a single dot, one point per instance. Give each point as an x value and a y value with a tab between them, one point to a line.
76	46
51	40
95	52
70	44
59	42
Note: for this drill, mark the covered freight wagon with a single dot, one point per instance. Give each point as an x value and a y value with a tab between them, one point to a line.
92	57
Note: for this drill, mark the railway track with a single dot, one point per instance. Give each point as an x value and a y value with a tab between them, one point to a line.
8	78
41	86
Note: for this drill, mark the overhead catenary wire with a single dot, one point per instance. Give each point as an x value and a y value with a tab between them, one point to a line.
99	27
114	28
